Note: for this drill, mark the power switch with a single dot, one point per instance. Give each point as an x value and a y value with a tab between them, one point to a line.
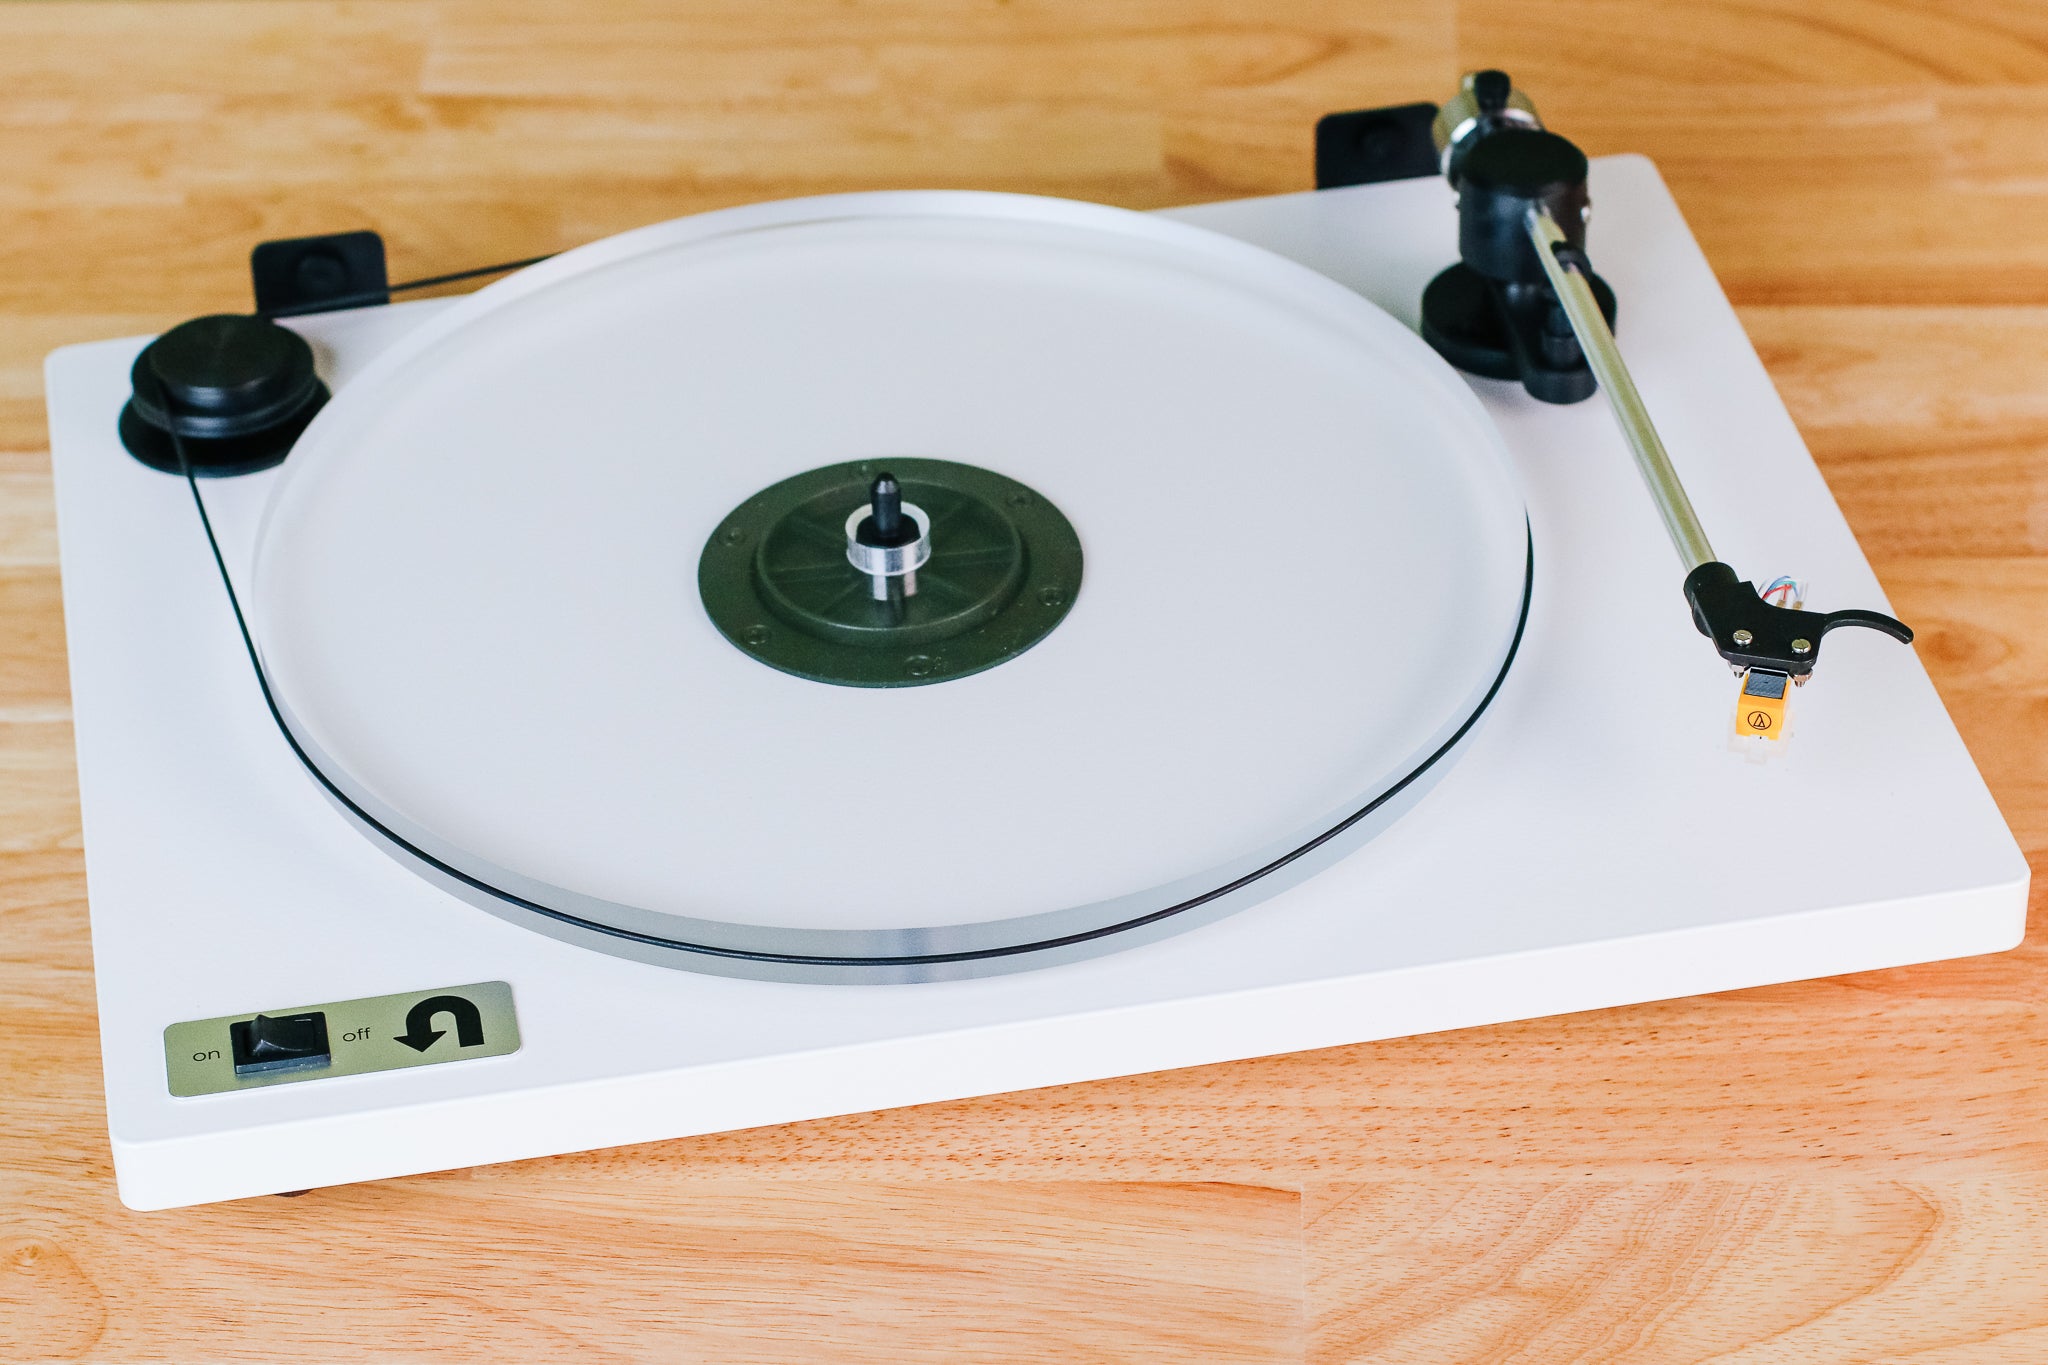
268	1044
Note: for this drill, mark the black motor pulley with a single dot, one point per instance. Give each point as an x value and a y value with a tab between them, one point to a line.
238	391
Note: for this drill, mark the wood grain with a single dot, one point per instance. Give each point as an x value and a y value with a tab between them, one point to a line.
585	1270
1677	1270
1846	1170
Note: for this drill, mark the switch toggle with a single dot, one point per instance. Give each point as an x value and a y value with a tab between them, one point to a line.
268	1044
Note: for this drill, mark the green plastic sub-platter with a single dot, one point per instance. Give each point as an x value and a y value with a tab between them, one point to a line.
1004	570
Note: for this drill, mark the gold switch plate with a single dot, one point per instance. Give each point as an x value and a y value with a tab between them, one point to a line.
374	1033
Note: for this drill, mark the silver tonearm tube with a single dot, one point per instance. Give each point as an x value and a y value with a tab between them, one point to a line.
1597	342
1523	189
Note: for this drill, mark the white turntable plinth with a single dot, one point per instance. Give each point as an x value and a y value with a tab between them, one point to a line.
1599	844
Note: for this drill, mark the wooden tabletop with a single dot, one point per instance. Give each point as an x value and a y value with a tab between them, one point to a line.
1845	1170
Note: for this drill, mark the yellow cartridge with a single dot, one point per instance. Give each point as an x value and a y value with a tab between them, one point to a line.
1760	709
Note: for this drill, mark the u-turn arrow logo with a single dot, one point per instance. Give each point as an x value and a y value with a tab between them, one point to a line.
420	1033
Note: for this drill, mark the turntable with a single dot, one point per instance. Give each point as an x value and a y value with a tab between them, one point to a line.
859	651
